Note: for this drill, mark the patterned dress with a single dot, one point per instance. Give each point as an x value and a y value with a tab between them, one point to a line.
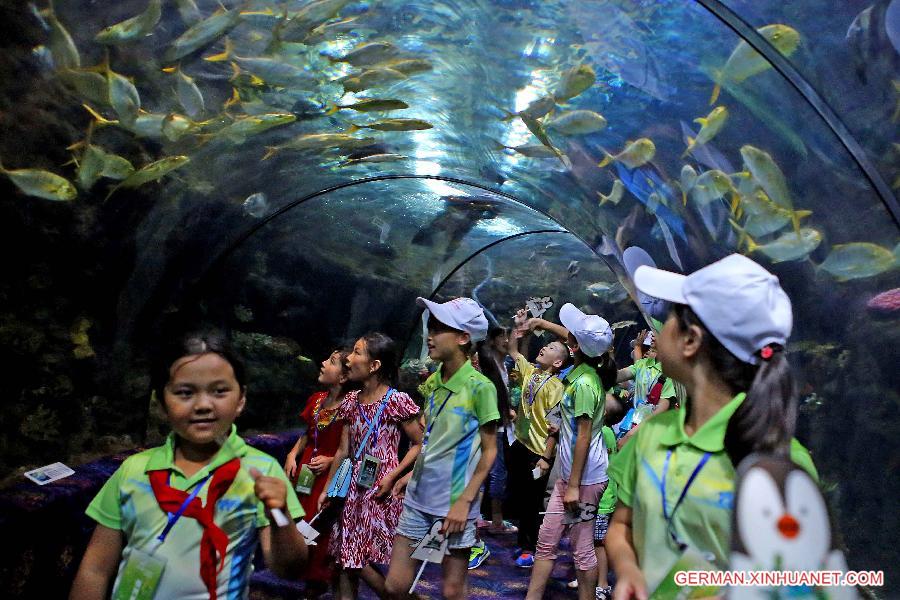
329	438
365	532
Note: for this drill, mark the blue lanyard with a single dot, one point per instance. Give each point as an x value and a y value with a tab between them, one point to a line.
173	517
434	416
372	424
662	488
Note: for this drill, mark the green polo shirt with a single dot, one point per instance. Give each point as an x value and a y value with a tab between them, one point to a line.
454	412
126	503
583	397
703	521
608	500
646	373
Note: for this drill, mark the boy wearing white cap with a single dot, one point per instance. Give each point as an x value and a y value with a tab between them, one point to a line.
460	444
724	340
581	452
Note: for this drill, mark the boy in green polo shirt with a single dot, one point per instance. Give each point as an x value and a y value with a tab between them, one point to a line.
183	520
653	391
459	447
727	330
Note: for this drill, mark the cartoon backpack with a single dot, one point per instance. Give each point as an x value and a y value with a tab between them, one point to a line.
781	523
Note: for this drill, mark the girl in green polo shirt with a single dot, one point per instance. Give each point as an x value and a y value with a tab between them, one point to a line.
183	520
724	340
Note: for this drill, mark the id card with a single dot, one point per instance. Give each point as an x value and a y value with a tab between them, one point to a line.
305	480
368	472
140	576
690	560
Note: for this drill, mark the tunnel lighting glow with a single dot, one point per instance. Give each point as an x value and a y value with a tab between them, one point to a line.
500	226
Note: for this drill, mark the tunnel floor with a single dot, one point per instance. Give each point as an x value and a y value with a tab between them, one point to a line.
496	578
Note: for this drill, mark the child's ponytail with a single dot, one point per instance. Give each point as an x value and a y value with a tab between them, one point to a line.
764	422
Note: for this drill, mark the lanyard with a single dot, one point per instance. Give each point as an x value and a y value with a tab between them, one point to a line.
173	517
434	416
662	488
531	396
372	424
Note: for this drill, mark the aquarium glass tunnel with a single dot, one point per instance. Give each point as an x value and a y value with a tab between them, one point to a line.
298	172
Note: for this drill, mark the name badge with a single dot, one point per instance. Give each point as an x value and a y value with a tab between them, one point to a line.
305	480
140	576
368	472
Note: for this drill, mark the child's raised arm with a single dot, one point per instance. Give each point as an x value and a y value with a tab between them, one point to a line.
512	347
558	330
98	567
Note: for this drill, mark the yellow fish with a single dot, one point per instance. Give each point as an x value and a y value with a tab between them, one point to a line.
745	62
709	127
41	184
859	260
635	154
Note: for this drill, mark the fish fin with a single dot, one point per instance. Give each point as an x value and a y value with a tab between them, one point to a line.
701	121
235	71
353	128
715	94
608	158
332	109
735	204
235	98
169	69
270	152
795	221
101	120
222	56
743	236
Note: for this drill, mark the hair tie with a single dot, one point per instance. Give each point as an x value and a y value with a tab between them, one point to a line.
766	353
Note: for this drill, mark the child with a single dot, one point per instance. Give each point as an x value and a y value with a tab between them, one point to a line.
653	391
615	410
724	340
541	392
199	505
458	450
582	455
365	531
313	454
494	349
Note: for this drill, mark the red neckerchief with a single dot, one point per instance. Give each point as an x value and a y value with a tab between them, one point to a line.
214	543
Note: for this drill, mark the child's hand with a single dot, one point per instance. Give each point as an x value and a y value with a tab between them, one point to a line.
399	490
290	465
630	583
513	415
320	464
324	501
543	465
639	340
384	488
532	323
272	491
455	521
571	498
521	317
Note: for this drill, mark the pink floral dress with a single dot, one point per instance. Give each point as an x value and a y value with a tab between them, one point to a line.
365	532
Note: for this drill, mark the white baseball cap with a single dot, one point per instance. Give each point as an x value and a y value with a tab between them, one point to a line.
740	303
592	332
635	257
460	313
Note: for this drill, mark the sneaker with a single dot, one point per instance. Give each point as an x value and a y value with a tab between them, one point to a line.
573	585
478	554
525	560
506	527
604	593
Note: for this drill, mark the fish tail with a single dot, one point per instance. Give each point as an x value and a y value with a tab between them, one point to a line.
795	221
235	71
333	108
270	152
221	56
743	236
607	158
603	199
717	89
235	98
690	146
100	119
353	128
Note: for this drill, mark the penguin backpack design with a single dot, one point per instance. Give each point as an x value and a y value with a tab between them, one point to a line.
781	523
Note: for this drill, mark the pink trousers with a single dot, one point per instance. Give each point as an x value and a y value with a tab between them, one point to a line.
581	535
